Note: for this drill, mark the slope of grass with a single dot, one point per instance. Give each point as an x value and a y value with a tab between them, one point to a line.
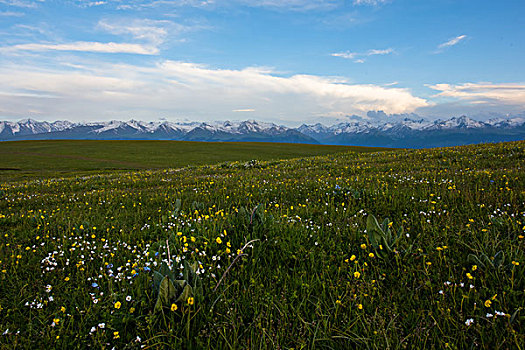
278	254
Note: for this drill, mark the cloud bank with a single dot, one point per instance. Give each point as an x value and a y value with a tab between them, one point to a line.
184	89
484	93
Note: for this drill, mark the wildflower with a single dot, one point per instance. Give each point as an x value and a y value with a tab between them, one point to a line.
93	330
117	305
218	240
63	309
488	303
116	335
101	325
174	307
360	306
191	301
66	279
363	246
474	267
128	298
469	276
55	322
515	263
371	255
357	274
489	315
352	258
132	310
469	321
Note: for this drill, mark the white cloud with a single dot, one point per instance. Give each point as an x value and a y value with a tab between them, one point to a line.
303	5
176	89
369	2
512	94
11	14
151	31
84	46
359	57
95	3
452	42
20	3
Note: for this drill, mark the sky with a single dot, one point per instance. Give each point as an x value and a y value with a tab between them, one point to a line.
283	61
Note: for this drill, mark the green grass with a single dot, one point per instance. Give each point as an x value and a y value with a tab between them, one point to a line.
286	252
69	155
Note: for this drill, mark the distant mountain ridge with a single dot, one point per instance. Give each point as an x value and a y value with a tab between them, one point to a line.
410	131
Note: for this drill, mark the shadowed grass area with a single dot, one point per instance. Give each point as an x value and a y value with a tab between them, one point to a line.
87	155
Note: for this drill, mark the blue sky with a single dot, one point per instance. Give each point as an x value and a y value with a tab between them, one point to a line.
283	61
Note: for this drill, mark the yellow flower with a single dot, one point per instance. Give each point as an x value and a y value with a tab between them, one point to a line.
357	274
56	320
515	263
218	240
174	307
360	306
352	258
63	309
66	279
371	255
363	246
228	251
488	303
191	301
474	267
116	335
117	305
132	310
469	276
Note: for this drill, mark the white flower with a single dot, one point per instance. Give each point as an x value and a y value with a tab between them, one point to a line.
93	329
128	298
101	325
489	315
469	321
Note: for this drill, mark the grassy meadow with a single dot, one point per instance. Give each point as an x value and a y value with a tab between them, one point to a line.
392	249
47	157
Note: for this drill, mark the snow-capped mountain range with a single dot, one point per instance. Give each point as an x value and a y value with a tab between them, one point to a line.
405	132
